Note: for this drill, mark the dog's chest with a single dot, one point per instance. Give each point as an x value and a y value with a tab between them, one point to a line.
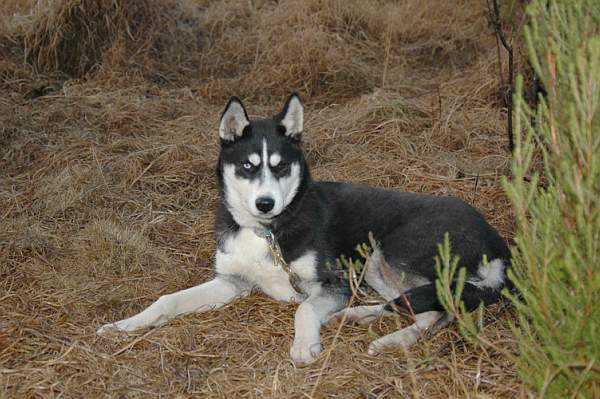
246	255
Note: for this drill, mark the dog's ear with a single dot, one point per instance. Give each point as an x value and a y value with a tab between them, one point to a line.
233	120
292	117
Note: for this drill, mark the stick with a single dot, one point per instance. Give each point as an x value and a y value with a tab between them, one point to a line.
494	14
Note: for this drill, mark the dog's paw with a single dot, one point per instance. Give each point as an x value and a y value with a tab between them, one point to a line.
389	343
361	315
303	354
337	319
376	348
107	329
114	328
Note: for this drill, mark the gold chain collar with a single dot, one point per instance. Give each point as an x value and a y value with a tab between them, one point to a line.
278	259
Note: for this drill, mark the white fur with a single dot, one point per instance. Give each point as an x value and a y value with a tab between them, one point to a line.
238	203
274	159
307	340
233	121
306	266
241	193
491	274
247	255
293	121
310	315
358	314
268	184
254	159
407	336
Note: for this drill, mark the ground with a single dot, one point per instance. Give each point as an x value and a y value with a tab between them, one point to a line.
108	143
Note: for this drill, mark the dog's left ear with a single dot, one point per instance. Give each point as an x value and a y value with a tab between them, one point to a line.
292	117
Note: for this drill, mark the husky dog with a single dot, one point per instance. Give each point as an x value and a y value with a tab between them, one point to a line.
278	231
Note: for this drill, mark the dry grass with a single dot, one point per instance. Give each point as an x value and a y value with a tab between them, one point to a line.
108	116
76	36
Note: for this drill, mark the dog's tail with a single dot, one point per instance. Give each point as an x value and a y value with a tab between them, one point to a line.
486	287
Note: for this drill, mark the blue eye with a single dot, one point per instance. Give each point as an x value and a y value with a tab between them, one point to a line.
247	165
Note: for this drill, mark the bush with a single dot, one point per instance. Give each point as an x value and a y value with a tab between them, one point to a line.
557	253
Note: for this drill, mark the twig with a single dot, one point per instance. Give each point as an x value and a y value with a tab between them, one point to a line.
475	187
439	94
494	15
332	346
132	343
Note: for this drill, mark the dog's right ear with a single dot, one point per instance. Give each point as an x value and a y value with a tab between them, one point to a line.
233	120
292	117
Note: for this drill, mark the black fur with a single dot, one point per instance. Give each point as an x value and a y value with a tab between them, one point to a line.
424	298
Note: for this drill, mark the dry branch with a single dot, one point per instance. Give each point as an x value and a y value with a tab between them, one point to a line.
506	91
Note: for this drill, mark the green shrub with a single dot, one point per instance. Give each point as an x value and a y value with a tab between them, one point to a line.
556	266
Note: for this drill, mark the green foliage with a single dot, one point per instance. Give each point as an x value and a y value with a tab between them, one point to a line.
354	269
557	255
449	287
349	266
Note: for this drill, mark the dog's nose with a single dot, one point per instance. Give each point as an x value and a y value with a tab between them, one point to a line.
265	204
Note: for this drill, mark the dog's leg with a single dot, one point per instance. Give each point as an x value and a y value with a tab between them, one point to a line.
359	314
310	315
409	335
210	295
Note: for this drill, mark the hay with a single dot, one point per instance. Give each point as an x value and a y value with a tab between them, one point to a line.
329	50
107	186
78	36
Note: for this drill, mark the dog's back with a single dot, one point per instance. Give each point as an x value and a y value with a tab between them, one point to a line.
408	228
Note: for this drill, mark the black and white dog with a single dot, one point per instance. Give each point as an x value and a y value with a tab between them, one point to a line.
273	217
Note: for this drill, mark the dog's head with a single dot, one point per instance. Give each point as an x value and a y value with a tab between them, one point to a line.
261	166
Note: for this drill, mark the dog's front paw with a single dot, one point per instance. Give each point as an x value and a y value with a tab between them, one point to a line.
114	328
303	354
107	329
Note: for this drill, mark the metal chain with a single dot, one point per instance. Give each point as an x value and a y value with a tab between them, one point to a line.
278	260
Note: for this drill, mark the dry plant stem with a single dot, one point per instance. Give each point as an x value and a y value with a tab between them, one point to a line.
330	349
135	341
486	343
389	274
354	283
494	14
